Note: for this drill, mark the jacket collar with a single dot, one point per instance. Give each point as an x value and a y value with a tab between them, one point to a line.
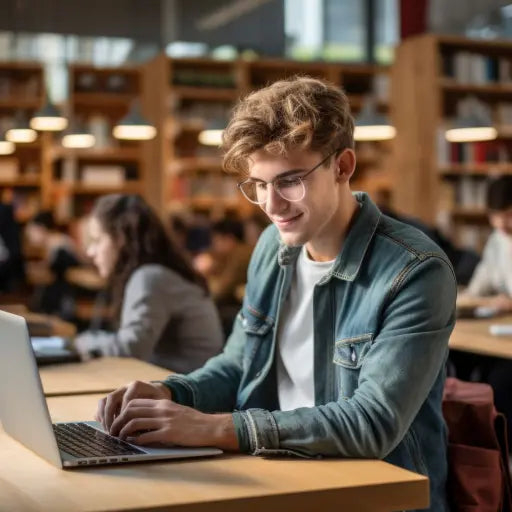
349	260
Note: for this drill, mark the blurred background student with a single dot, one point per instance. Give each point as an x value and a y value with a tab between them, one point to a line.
493	276
163	311
53	293
225	268
12	271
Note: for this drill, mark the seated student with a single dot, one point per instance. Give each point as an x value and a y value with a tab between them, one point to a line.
12	272
341	343
228	259
60	254
164	312
492	283
493	276
225	268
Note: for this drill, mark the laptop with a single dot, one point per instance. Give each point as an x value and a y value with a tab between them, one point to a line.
25	417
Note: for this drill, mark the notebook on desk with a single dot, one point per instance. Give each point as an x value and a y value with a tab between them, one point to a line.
25	417
53	350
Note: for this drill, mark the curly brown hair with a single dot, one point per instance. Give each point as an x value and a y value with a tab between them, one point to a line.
142	239
300	113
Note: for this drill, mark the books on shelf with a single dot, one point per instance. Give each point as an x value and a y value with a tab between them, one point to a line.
103	175
497	151
477	69
9	169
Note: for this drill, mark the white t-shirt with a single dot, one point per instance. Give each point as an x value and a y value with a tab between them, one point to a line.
295	338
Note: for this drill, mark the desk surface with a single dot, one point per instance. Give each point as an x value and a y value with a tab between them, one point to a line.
228	483
97	375
474	336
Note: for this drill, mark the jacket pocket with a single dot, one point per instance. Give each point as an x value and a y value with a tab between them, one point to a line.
350	352
255	322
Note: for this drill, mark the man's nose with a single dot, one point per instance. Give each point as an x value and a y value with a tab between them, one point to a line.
274	203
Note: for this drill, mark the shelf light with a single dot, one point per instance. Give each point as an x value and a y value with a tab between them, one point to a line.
211	135
133	126
78	137
48	119
6	147
472	124
370	125
21	133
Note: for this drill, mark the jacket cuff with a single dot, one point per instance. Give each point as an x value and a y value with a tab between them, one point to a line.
256	430
182	391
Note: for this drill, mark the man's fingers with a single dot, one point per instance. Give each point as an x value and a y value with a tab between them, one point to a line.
152	437
112	404
100	412
137	426
129	413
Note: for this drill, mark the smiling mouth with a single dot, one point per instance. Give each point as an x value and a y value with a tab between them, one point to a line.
285	222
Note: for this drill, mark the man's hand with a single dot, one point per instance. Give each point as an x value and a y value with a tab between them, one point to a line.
147	421
114	403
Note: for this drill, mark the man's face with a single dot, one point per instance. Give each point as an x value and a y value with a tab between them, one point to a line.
301	221
502	221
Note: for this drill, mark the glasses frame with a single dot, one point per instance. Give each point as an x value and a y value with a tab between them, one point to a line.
281	177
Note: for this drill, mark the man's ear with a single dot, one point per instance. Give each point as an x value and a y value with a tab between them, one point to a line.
345	165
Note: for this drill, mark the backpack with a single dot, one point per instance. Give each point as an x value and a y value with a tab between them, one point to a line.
478	470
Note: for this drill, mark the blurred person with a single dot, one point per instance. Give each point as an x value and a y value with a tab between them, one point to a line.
59	254
229	259
162	307
491	286
492	279
12	273
225	268
254	225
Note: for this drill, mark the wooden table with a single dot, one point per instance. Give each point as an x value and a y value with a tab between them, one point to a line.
229	483
97	375
474	336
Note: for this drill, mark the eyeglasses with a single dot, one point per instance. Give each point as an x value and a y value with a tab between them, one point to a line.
289	186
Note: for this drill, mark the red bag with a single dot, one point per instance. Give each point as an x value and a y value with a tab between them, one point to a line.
478	471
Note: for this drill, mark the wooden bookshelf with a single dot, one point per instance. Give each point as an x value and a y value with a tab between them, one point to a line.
439	182
24	175
98	98
183	96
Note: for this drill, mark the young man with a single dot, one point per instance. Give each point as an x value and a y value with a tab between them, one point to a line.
341	343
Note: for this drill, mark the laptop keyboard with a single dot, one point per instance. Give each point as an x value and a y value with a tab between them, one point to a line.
81	440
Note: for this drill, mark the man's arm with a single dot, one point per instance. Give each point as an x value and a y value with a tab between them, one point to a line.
214	387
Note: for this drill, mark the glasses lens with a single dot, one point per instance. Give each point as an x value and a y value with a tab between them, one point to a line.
253	192
291	189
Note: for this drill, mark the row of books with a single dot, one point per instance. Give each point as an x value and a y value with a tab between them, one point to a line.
21	86
96	174
184	188
12	168
474	68
496	151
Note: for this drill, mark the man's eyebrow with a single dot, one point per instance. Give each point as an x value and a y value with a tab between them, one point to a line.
285	174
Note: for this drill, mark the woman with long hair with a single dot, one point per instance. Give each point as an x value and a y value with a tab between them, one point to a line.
161	305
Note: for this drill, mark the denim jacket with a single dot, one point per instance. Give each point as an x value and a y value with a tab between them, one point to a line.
382	319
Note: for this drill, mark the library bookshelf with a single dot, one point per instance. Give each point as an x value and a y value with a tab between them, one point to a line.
440	182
